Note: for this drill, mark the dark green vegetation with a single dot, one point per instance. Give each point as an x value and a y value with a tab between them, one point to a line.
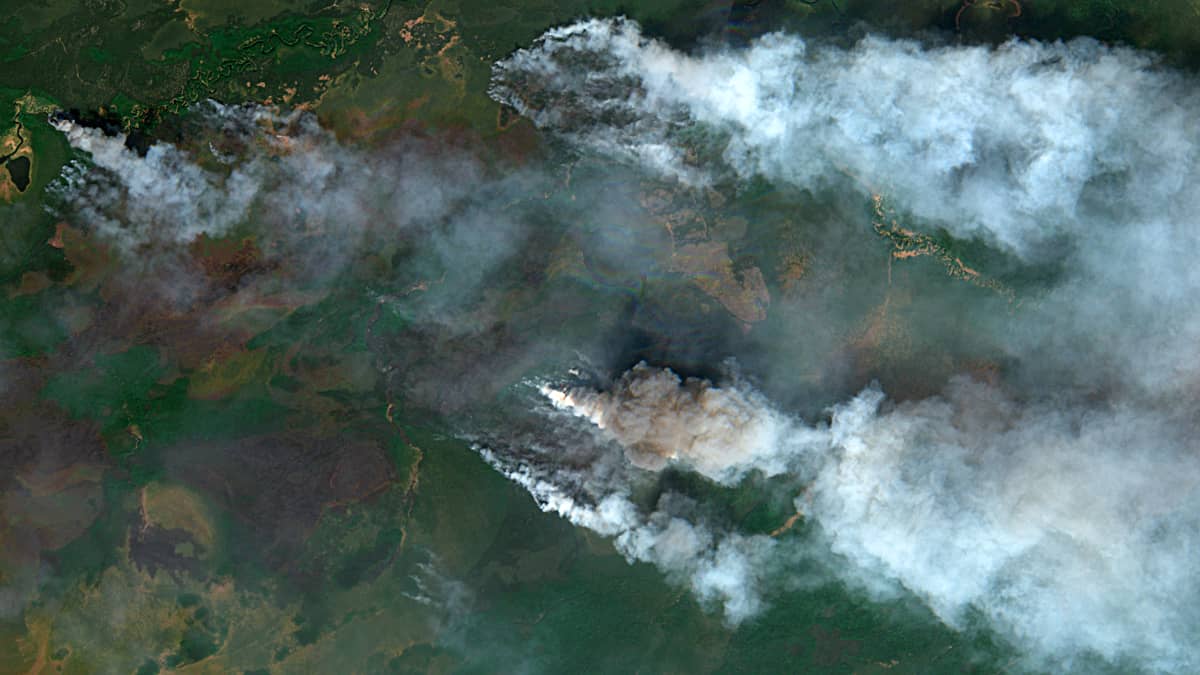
277	487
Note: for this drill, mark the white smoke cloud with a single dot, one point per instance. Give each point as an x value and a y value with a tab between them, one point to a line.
1068	528
1074	152
1069	522
1071	530
1015	143
164	196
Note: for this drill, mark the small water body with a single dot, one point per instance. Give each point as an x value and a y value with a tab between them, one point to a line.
18	170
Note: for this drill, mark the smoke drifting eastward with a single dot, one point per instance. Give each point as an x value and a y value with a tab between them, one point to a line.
311	202
1064	509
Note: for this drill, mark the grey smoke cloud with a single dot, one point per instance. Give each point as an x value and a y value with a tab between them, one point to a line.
1068	519
586	479
416	228
311	201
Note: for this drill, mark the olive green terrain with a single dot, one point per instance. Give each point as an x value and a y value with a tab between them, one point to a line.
281	486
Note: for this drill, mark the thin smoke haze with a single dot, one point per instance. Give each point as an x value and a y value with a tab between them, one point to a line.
1059	504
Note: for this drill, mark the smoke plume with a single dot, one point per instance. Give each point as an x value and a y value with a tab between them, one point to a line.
1015	143
1062	504
310	201
586	479
1071	529
658	419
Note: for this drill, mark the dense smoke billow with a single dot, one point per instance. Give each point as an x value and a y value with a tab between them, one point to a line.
1061	505
1017	143
1071	528
658	419
588	479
